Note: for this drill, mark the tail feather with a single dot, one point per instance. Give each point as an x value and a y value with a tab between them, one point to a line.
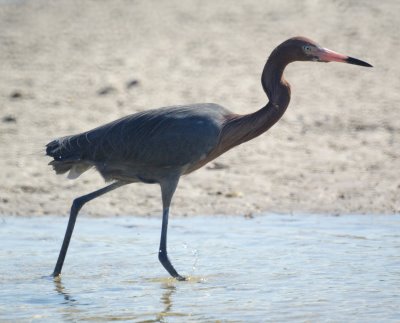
67	153
60	167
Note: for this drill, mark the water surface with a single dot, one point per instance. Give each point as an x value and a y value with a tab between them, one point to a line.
269	268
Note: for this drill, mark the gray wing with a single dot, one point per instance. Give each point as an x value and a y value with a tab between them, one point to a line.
166	137
173	136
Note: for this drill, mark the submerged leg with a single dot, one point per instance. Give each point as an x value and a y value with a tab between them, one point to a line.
76	206
167	191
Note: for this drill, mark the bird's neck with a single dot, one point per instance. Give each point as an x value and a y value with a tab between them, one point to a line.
242	128
273	82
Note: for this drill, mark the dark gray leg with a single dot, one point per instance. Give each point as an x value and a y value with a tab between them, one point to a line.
167	190
76	206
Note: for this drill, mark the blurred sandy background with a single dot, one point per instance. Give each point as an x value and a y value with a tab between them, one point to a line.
68	66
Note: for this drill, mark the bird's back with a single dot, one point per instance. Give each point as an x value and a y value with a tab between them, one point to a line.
159	139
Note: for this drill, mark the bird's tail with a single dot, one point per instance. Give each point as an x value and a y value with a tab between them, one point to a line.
67	153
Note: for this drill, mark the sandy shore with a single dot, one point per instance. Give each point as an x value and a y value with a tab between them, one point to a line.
68	66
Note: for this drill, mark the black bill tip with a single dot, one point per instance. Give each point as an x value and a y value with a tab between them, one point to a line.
355	61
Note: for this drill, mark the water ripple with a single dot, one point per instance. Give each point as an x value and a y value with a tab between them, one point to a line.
266	269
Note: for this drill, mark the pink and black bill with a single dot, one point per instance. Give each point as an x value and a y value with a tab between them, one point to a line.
327	55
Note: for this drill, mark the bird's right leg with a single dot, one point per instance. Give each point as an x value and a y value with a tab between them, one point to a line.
76	206
167	189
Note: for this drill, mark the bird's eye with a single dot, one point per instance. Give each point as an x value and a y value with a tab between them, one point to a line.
307	49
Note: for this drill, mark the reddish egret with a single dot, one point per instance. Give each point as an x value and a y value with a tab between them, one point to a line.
161	145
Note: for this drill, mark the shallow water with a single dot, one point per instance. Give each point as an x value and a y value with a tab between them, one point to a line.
269	268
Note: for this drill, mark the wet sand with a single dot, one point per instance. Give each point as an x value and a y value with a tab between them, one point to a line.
69	66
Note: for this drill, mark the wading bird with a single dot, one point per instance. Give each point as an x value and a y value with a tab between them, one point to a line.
161	145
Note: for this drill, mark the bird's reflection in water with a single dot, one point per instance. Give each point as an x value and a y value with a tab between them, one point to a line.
60	289
166	300
72	307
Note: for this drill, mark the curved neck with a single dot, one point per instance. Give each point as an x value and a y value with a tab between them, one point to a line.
241	128
272	80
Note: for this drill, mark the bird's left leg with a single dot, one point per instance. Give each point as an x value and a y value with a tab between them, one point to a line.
167	190
76	206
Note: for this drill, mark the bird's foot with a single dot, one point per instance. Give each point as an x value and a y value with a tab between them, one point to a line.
56	275
180	278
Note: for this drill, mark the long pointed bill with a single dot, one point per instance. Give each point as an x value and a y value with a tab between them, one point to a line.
327	55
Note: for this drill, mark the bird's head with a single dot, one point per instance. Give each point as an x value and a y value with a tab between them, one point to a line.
304	49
